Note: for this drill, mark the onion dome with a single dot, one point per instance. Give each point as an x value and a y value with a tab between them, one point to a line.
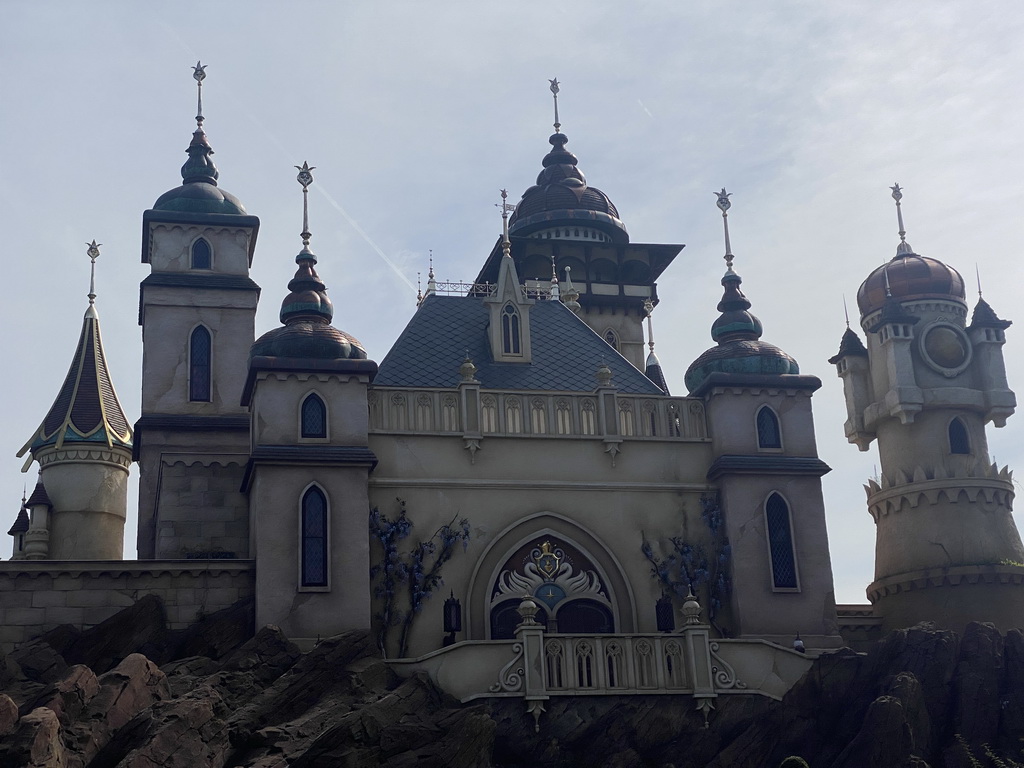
86	409
740	349
561	197
307	311
199	192
910	277
849	346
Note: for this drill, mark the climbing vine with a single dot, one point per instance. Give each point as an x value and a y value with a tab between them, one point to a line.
413	574
689	566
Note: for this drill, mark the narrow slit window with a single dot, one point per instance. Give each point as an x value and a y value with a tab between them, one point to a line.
314	538
199	368
780	543
768	433
201	254
959	442
314	417
511	331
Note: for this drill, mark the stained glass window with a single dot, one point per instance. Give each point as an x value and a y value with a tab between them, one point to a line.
314	417
199	370
314	538
780	543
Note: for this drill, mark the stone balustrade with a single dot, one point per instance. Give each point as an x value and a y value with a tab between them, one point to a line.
475	413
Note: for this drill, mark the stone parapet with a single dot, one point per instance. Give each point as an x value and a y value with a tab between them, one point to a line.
36	596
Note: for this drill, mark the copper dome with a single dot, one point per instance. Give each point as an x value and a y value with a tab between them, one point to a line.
910	277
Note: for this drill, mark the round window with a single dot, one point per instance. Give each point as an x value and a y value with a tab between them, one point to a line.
945	348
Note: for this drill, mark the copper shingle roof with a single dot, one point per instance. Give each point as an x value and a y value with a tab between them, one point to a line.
86	408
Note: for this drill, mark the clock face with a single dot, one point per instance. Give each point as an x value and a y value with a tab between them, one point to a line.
946	348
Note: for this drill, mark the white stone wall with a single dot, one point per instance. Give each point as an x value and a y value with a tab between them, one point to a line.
37	596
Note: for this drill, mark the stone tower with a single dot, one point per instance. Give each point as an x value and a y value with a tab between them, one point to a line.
307	477
84	450
924	387
766	468
197	312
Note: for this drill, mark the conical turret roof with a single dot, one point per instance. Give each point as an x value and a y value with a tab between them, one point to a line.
86	409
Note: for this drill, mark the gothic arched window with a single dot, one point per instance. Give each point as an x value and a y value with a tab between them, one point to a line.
780	543
199	367
511	331
314	416
314	538
959	442
201	254
611	339
768	433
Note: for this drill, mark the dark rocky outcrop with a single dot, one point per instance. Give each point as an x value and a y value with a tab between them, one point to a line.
225	698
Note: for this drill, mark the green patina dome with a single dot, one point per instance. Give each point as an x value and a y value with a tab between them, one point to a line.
199	192
740	349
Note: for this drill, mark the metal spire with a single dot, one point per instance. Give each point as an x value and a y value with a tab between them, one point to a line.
305	178
554	94
724	205
431	283
904	247
847	311
94	253
199	73
977	273
505	206
648	309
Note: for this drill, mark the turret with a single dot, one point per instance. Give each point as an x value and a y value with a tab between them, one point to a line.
766	467
924	388
306	395
84	450
197	312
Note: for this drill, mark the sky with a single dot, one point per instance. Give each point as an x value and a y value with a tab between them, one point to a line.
416	115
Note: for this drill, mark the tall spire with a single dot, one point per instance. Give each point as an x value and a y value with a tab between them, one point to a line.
554	95
86	409
724	205
308	298
505	206
904	248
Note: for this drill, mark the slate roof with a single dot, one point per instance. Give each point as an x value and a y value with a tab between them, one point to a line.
566	352
86	409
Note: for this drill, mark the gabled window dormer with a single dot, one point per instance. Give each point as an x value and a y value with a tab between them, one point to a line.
509	329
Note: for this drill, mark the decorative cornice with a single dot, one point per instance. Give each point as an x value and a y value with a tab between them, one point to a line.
755	383
79	453
950	576
203	220
899	497
317	455
769	464
195	281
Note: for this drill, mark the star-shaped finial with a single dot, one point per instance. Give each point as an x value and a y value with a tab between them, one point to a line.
199	72
723	200
305	178
897	193
94	249
554	85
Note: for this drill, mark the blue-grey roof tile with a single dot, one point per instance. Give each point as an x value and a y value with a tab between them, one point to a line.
566	352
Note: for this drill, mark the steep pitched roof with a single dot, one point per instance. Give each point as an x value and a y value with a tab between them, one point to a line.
566	352
86	408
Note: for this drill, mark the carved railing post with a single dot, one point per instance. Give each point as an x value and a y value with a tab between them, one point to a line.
698	651
530	635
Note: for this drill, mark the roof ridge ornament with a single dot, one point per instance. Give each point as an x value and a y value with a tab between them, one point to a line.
724	205
305	178
554	95
199	74
94	253
649	310
904	248
506	207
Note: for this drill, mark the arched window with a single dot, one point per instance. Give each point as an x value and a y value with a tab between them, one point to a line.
585	617
314	416
505	618
199	368
780	543
314	538
768	433
612	339
959	442
201	254
510	331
